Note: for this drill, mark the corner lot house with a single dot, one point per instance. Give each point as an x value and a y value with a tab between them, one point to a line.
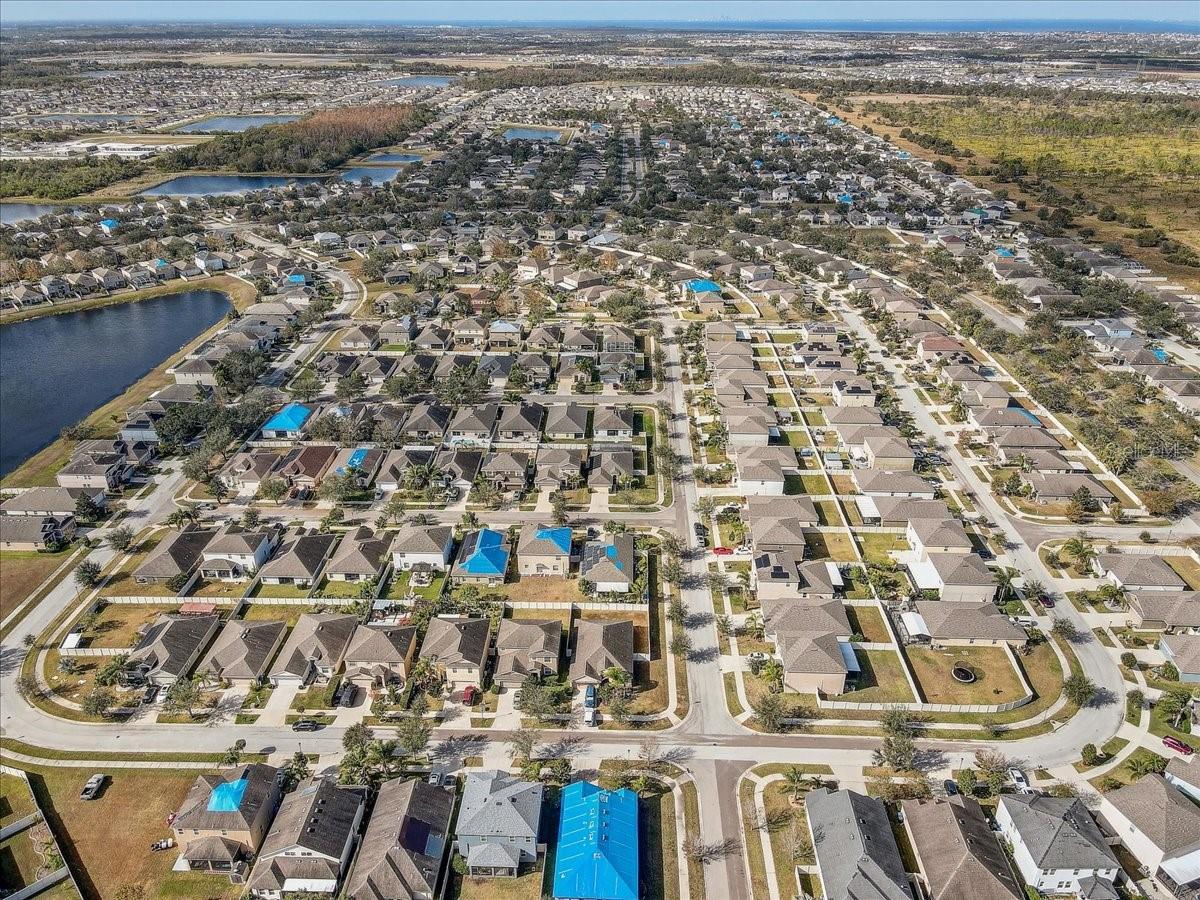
170	648
404	845
498	823
310	841
1135	572
1057	846
224	818
610	565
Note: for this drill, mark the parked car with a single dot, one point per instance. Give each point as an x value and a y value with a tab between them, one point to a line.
150	694
1174	743
589	718
950	786
94	785
163	844
1047	602
743	550
306	725
1020	780
700	530
469	693
723	551
589	697
435	778
347	693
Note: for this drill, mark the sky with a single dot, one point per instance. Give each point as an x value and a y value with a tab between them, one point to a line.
75	12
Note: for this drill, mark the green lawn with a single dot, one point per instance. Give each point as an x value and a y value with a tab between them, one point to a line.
881	680
996	680
877	547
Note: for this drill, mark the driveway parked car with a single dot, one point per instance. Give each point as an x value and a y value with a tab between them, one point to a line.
723	551
1020	780
1173	743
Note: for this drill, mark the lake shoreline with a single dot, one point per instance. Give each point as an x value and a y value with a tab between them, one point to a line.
226	284
39	469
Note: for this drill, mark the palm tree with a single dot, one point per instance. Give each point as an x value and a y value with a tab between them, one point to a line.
772	672
753	626
798	783
617	677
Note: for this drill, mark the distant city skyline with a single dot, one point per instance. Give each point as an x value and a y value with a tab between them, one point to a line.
1019	14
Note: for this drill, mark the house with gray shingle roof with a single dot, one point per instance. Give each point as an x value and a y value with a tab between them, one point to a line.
459	647
610	564
315	648
177	554
402	850
600	646
957	852
224	818
379	655
169	648
1138	572
311	840
498	823
1057	846
243	650
526	647
857	856
361	556
1160	826
300	560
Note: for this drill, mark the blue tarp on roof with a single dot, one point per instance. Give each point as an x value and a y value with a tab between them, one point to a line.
597	844
291	418
700	285
109	223
611	552
489	556
559	537
227	796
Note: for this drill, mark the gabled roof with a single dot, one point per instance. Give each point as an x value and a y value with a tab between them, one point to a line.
1160	811
243	649
497	804
602	645
519	641
300	557
541	540
597	844
228	801
1059	833
856	851
959	853
456	640
422	539
318	816
608	561
318	638
171	643
402	849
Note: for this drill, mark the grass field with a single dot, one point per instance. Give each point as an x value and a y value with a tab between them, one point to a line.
881	681
107	858
996	680
21	571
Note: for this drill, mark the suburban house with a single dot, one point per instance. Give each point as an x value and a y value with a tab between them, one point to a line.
1161	610
35	532
404	847
598	844
812	641
235	553
242	651
176	556
299	561
361	556
1183	652
544	551
856	852
566	421
498	823
600	646
223	820
483	558
610	564
311	840
1057	846
423	545
962	577
459	647
1138	572
957	852
315	649
526	647
287	424
380	655
963	624
1160	825
169	649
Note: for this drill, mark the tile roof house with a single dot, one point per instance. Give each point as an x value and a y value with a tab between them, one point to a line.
857	856
957	852
1057	846
526	647
314	650
403	848
243	650
224	818
379	655
610	564
459	646
498	823
1160	825
170	648
311	840
544	550
597	854
600	646
483	558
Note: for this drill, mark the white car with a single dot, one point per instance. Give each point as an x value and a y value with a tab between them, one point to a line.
1020	780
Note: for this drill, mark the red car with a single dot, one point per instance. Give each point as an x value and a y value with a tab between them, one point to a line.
469	694
723	551
1173	743
1047	602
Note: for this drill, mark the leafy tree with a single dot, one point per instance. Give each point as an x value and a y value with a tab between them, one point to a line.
357	737
121	538
968	782
351	387
110	673
87	574
233	755
523	742
681	644
87	509
770	708
307	386
184	693
98	701
273	489
1079	689
413	734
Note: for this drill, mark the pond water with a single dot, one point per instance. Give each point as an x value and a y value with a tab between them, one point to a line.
232	123
56	370
377	174
11	213
217	185
533	134
420	81
392	158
